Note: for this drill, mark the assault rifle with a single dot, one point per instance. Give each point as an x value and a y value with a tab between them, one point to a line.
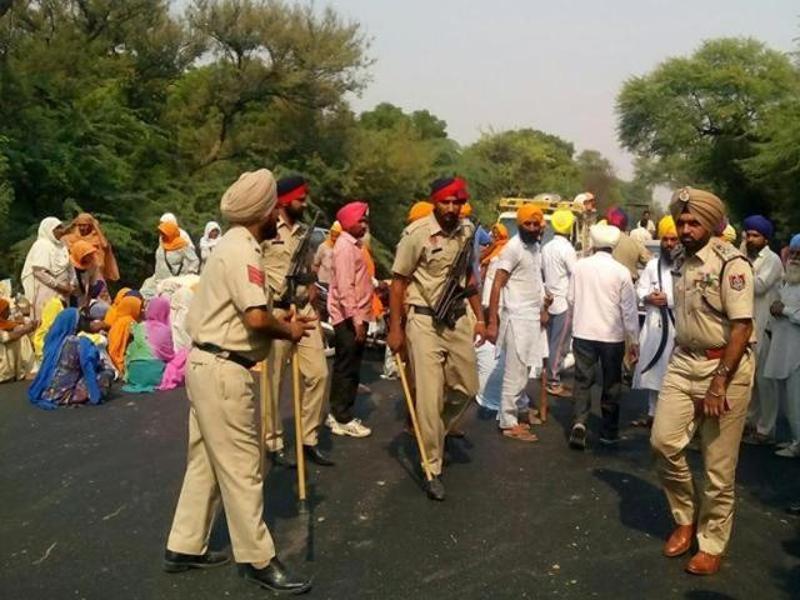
449	307
298	274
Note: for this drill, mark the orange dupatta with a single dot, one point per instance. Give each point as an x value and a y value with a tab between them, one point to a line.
128	312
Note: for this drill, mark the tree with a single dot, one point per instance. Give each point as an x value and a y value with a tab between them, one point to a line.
521	162
704	117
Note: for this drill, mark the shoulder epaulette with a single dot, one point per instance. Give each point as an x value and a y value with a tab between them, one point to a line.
414	227
727	252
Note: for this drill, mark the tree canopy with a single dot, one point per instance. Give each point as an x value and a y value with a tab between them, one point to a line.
726	118
132	109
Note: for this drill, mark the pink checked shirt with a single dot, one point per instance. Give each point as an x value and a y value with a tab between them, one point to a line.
350	292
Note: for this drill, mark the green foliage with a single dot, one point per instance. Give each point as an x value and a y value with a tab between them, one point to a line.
719	118
128	110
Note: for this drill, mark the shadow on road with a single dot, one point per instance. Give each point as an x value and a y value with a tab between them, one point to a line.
641	504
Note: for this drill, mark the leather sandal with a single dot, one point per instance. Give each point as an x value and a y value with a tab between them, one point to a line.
521	433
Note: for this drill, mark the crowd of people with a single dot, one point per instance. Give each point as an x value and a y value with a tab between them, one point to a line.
473	312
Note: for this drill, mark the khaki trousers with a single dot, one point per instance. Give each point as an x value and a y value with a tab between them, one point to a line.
685	383
224	460
440	357
314	372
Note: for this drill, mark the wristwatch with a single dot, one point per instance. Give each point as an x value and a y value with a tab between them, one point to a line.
722	369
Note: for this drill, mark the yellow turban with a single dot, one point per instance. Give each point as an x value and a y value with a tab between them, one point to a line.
704	206
729	233
528	212
562	221
250	198
666	226
419	210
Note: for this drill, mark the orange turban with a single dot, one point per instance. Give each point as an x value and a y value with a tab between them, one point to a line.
466	211
419	210
529	212
171	236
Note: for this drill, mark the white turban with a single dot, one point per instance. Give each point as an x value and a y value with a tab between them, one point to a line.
580	199
168	218
604	236
250	198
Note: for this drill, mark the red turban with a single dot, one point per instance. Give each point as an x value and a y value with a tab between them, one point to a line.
290	189
454	187
351	213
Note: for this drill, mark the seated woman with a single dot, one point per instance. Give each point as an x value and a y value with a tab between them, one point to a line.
51	310
16	350
209	241
150	349
71	372
127	314
174	257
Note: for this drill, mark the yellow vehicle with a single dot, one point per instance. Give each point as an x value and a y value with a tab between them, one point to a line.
549	203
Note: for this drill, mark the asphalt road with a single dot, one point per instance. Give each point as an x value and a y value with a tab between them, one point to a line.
87	496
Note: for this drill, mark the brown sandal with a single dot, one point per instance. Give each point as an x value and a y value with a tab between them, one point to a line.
521	433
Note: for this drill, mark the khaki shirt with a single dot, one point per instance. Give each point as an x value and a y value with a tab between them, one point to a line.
232	281
707	297
425	254
278	255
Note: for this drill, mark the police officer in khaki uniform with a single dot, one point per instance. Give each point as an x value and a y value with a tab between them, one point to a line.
439	356
278	253
231	327
708	383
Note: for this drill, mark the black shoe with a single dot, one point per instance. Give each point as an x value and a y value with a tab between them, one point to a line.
435	489
316	456
794	509
175	562
577	437
610	441
279	458
276	577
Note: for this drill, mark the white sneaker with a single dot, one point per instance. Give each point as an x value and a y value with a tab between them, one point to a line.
354	428
792	451
330	422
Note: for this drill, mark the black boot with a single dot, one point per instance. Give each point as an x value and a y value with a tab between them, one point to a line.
276	577
175	562
435	489
280	458
317	457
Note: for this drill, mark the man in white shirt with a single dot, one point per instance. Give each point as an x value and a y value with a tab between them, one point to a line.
657	338
605	316
518	331
768	270
779	376
558	263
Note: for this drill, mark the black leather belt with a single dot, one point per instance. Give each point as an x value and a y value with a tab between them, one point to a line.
227	355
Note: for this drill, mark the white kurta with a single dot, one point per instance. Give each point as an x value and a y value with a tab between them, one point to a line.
783	352
768	270
651	333
522	299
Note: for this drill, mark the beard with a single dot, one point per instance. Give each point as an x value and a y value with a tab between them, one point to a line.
528	237
667	257
792	276
449	221
295	213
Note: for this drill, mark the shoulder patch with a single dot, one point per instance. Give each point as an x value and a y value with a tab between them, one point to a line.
737	281
255	275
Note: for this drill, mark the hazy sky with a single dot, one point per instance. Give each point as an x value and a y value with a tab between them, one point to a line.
555	66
